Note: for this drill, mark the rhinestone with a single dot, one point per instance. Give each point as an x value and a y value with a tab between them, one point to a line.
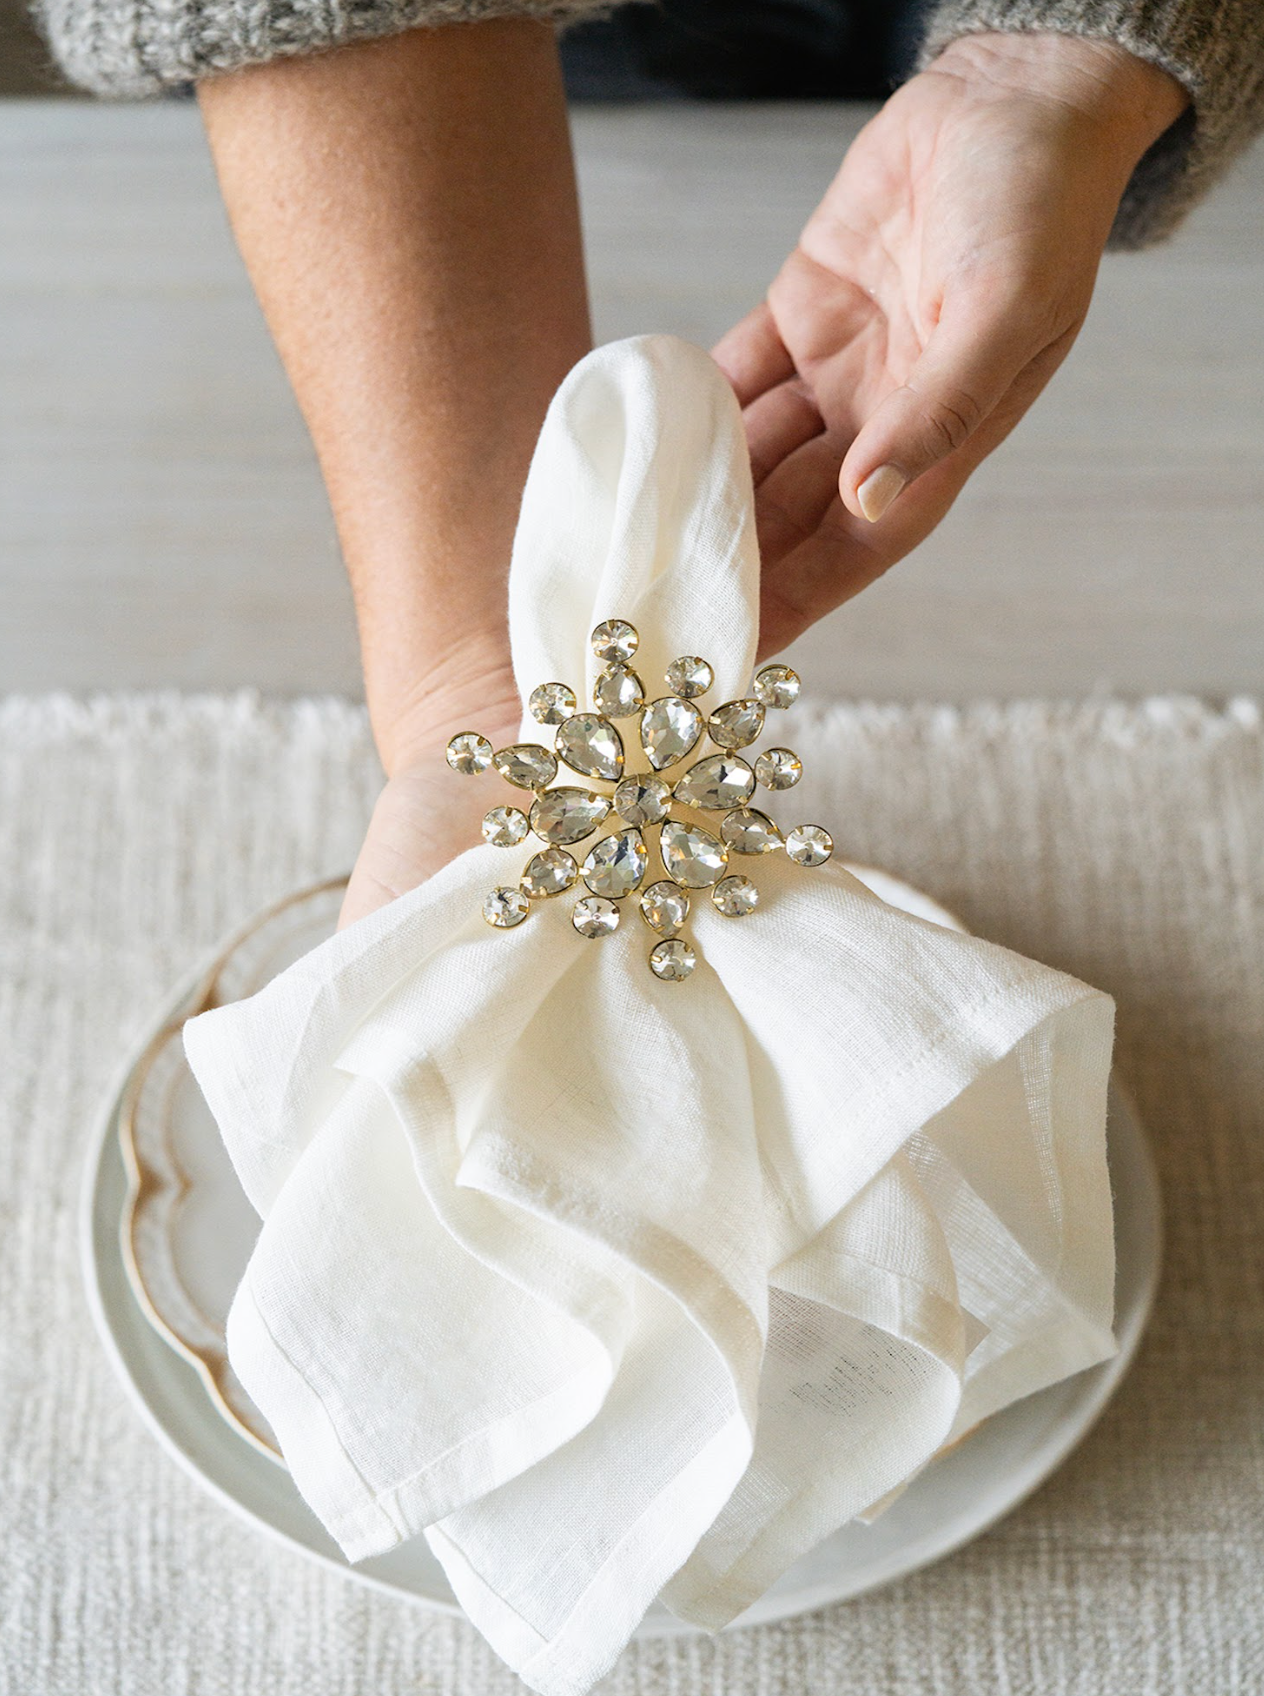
670	727
642	800
567	815
590	744
526	765
551	703
665	907
716	784
616	864
736	723
504	826
748	831
672	960
734	896
689	676
776	686
778	768
505	908
691	855
594	916
469	753
548	873
614	641
809	845
618	692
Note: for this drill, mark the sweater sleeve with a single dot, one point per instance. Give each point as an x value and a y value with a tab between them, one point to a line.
130	49
1215	48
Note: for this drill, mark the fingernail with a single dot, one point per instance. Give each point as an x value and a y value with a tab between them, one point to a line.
879	489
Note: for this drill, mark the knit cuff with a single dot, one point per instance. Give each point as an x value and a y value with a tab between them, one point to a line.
1214	48
132	49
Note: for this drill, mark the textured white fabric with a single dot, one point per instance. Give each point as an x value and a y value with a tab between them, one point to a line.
610	1286
1120	840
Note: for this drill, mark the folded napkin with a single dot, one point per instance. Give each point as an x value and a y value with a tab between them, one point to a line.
615	1288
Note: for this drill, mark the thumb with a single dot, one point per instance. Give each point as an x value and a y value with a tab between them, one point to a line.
966	369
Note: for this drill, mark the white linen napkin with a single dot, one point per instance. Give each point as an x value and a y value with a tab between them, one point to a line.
613	1287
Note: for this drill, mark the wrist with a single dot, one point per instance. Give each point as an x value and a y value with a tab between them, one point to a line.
415	714
1126	102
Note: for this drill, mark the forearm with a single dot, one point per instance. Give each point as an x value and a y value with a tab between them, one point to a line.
407	211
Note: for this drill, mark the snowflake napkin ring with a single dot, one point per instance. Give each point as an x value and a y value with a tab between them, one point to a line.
670	728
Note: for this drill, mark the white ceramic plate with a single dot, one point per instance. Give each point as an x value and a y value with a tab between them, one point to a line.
166	1233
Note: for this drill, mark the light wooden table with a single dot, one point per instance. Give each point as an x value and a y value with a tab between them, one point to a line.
162	523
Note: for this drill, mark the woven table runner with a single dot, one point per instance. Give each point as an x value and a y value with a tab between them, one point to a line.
1122	843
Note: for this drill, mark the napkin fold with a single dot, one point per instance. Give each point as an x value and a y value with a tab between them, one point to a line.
614	1288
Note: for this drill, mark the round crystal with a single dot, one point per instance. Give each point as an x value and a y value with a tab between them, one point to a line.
591	745
618	692
551	703
670	727
616	864
778	768
672	960
716	784
469	753
614	641
734	896
748	831
689	676
642	800
567	815
776	686
665	907
526	765
736	723
691	855
505	908
809	845
594	916
505	826
548	873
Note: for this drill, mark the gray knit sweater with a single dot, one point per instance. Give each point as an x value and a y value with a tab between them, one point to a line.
134	48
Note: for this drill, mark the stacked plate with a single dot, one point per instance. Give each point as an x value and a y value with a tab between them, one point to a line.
167	1232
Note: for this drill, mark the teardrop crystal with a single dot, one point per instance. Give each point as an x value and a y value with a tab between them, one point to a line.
749	831
548	873
526	765
670	727
736	723
567	815
591	745
716	784
618	692
616	864
691	855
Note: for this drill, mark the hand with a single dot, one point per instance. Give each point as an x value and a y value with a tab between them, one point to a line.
932	295
427	815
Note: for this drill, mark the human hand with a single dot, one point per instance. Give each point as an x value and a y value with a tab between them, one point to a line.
425	816
932	295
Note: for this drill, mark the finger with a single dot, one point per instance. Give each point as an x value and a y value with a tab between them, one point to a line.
753	356
968	366
791	503
777	424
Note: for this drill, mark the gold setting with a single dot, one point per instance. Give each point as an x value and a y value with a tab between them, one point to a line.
647	835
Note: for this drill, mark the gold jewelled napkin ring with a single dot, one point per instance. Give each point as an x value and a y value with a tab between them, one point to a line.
669	729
